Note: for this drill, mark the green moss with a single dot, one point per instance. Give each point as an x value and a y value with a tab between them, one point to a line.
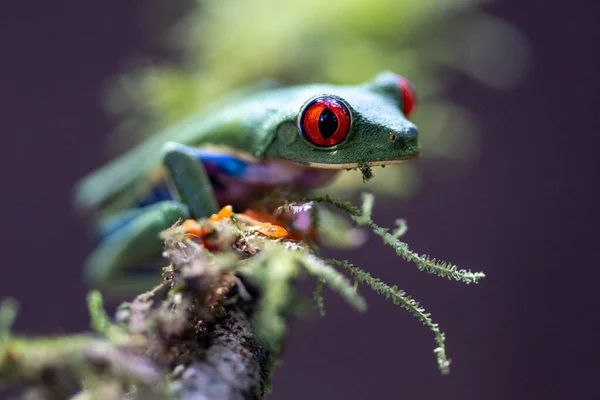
167	325
362	217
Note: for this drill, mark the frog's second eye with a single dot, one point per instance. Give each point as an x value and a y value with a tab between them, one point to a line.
325	121
407	92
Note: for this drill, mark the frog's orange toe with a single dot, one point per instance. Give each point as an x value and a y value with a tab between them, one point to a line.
273	231
224	213
194	230
261	224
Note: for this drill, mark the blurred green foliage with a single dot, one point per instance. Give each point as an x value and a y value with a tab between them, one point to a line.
224	44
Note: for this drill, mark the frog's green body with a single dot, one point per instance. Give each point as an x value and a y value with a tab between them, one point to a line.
253	139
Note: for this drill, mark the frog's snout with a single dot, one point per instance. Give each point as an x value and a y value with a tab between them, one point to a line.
411	132
403	143
406	135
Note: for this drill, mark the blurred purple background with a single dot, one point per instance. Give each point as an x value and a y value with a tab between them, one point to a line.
523	211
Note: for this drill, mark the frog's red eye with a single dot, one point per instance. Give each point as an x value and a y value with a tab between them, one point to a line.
409	100
325	121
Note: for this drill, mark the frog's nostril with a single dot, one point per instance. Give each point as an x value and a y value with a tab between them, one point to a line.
393	137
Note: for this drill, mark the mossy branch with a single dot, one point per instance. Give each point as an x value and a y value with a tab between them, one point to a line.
216	324
190	337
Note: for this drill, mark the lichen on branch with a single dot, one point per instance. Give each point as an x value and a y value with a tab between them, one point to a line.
215	326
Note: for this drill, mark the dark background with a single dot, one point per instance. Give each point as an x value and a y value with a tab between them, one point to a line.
524	211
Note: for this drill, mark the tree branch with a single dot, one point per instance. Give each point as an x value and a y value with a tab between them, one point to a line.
189	338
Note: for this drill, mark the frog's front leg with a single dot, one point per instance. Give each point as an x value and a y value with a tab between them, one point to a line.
189	179
113	263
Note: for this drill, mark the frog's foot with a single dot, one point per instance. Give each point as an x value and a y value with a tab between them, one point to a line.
261	223
117	263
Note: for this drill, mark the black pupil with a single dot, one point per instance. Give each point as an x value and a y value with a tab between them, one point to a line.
328	123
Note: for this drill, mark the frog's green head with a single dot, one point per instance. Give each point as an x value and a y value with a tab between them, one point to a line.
347	126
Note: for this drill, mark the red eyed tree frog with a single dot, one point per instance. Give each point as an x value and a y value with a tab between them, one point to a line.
234	152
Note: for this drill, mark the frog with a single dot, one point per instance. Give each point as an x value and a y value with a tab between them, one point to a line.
235	151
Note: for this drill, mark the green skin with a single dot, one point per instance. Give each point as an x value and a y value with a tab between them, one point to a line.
258	124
